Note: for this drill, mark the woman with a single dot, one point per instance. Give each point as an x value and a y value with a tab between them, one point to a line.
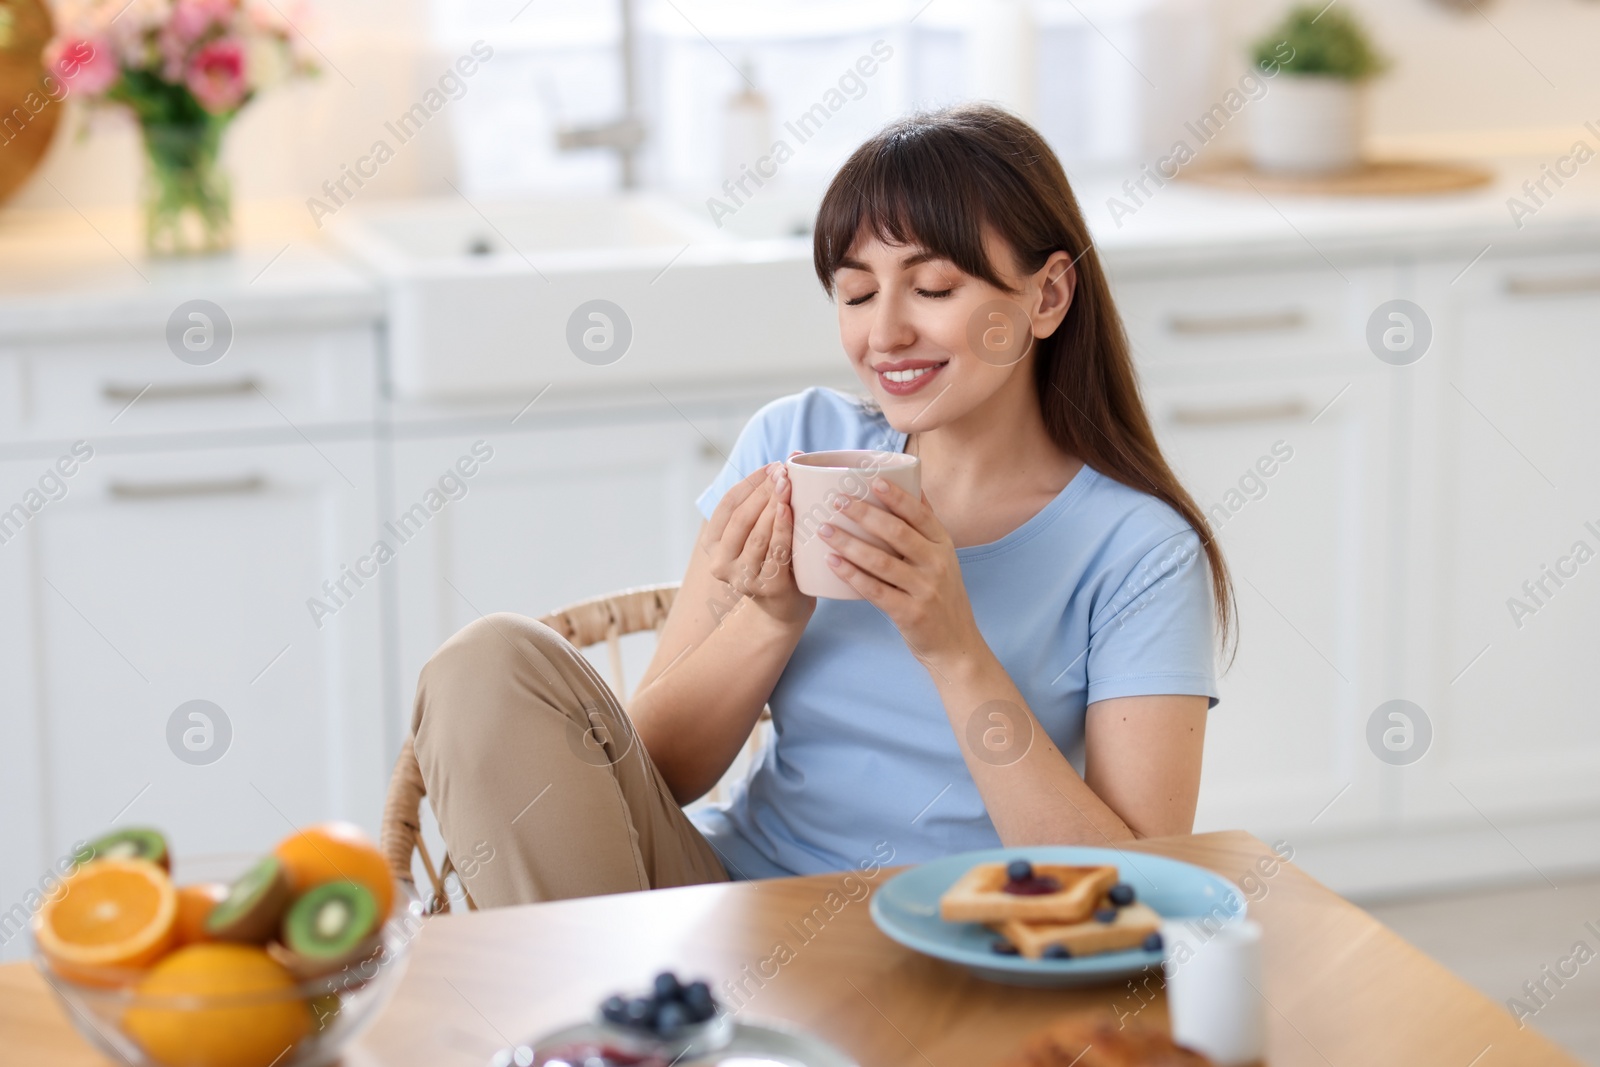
1052	591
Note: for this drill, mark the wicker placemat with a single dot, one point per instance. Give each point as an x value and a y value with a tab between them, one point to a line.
1395	177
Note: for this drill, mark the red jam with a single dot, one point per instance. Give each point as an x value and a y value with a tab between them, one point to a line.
582	1053
1032	886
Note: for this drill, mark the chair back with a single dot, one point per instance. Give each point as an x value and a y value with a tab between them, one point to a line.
586	623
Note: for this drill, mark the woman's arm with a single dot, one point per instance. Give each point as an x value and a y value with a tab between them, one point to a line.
733	626
1141	761
1142	757
1142	754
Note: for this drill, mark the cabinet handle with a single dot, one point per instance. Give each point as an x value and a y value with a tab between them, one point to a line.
1572	283
249	483
1196	326
126	394
1221	416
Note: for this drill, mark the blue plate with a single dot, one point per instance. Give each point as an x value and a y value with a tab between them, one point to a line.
906	908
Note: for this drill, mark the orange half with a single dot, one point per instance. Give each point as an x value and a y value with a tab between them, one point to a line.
111	914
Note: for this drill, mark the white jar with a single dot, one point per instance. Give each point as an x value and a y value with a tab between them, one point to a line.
1214	992
1307	123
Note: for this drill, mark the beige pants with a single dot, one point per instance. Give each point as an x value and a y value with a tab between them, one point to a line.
542	788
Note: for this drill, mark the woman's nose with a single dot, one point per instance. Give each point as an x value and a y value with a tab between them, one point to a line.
891	329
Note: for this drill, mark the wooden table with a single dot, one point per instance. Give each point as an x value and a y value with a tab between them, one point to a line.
1343	990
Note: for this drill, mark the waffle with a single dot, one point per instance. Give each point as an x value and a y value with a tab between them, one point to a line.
979	895
1132	925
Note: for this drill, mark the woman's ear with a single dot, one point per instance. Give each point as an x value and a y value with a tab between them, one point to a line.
1057	280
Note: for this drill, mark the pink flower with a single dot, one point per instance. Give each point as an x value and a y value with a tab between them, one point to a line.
191	19
191	22
216	76
84	63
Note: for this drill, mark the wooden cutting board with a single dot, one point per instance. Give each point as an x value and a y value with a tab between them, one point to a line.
28	113
1392	177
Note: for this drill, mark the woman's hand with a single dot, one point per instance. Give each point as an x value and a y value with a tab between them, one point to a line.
750	539
916	582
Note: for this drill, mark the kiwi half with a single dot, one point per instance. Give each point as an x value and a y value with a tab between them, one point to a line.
254	906
134	843
331	924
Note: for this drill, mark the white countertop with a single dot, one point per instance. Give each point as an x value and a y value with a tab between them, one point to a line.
1185	224
63	273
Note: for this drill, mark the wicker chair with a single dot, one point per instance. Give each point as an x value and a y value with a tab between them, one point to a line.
586	623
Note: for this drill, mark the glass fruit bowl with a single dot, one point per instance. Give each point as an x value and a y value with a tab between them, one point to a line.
302	1024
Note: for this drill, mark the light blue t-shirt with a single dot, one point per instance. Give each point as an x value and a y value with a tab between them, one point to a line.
1104	593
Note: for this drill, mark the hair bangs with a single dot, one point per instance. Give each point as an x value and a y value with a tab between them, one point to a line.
917	187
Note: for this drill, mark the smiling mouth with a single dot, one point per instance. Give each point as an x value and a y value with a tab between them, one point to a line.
904	380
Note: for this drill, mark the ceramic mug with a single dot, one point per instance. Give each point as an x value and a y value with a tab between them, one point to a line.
817	481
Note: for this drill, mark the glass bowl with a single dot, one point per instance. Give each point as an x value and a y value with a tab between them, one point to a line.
115	1017
601	1041
690	1041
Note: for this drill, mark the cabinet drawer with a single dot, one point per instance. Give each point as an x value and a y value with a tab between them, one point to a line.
281	381
1240	316
1555	282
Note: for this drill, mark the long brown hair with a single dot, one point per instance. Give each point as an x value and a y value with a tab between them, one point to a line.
935	179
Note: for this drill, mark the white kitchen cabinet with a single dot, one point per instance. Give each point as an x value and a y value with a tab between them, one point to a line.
564	510
163	578
1299	511
176	567
1508	414
1259	322
271	380
1278	421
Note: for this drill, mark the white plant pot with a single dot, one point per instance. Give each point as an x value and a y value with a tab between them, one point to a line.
1308	124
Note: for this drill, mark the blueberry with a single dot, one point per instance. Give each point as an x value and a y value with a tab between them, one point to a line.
672	1016
1019	870
1002	947
1121	894
1153	943
1057	952
640	1011
697	998
614	1010
667	987
1105	915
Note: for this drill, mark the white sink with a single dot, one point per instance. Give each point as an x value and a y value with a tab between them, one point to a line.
480	294
452	228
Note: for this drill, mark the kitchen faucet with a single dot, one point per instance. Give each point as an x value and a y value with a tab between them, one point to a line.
623	134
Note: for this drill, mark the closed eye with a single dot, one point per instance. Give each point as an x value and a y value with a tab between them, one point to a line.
932	294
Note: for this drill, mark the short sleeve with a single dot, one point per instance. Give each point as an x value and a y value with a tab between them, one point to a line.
1155	635
808	421
759	443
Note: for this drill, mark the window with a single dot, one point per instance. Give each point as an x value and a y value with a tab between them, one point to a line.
1097	78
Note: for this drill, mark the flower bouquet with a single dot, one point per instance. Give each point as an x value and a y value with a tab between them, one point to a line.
184	68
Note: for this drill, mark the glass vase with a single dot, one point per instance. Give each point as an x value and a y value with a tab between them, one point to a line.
188	203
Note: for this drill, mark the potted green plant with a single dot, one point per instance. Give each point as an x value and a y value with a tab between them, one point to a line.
1311	119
